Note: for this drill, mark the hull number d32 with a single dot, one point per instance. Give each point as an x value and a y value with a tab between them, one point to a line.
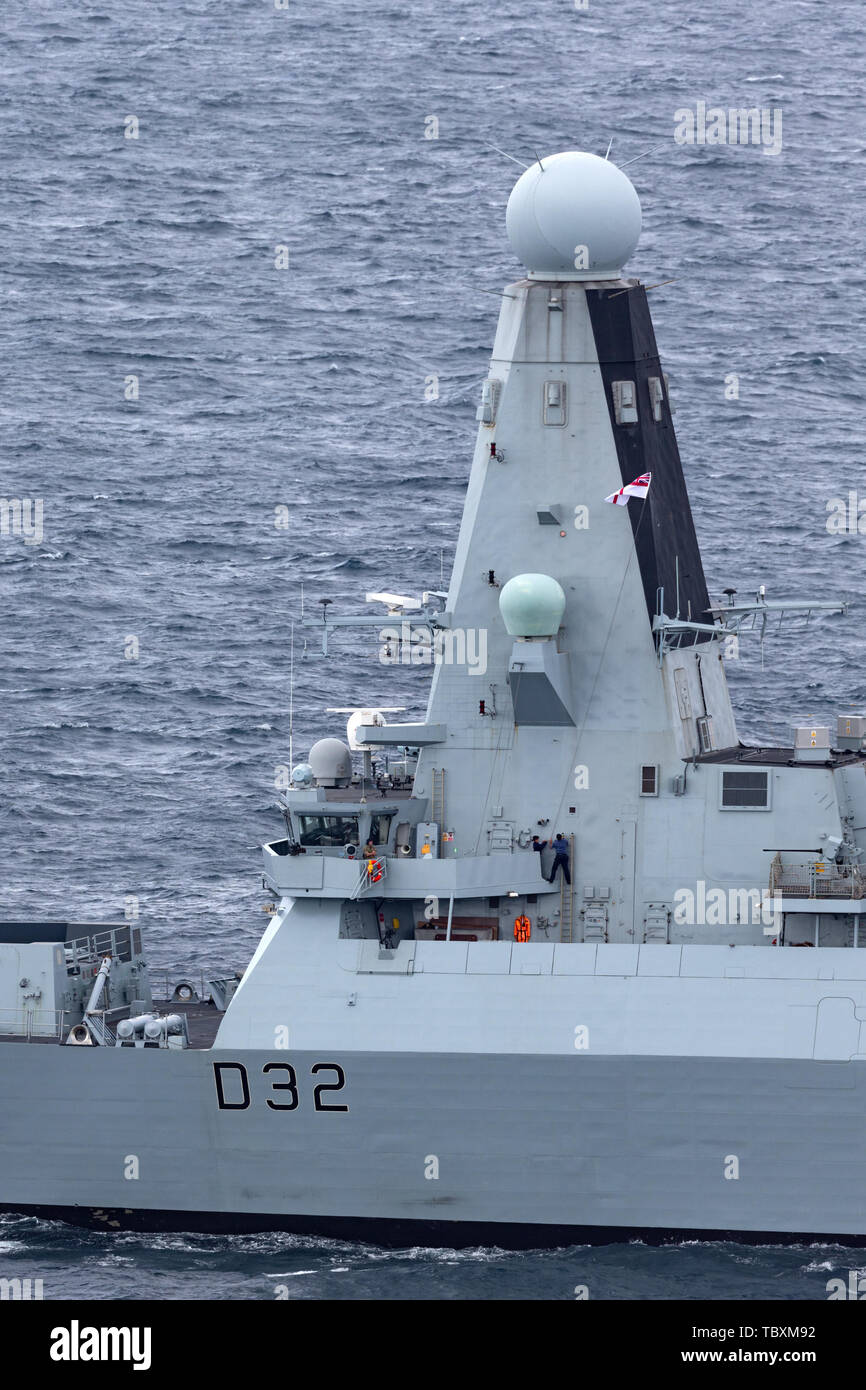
233	1086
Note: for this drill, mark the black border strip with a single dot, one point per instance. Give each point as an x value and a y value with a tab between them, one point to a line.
398	1233
667	546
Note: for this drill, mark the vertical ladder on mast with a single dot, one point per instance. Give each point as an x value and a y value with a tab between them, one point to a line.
566	897
437	801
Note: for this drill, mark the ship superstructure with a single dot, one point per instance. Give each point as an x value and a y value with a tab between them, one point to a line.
530	973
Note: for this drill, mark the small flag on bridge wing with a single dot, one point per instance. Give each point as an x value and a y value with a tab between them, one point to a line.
639	488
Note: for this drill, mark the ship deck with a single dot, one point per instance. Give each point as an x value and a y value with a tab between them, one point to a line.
202	1020
779	757
372	793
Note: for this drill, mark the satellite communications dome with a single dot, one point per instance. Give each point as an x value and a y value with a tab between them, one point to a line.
331	762
360	718
302	775
532	605
573	216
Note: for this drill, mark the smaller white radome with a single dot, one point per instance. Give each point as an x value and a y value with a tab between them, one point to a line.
573	216
532	605
360	719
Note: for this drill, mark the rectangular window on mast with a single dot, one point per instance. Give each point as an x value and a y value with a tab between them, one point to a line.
649	779
745	791
705	733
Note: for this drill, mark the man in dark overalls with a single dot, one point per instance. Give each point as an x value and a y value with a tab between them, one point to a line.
560	849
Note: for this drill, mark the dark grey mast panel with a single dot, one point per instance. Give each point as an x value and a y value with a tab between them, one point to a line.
665	539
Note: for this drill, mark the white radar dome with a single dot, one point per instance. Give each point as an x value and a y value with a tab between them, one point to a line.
532	605
302	775
359	718
573	216
331	763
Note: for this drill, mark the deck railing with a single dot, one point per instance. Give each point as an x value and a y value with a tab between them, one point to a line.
32	1023
120	942
816	879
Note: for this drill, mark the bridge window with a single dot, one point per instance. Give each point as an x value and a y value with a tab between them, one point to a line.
745	791
328	831
379	829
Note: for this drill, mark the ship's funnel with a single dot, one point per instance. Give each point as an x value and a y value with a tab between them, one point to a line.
573	216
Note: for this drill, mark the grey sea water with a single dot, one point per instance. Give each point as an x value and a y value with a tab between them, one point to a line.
258	388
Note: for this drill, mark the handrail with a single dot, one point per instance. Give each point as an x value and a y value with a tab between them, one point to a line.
52	1025
816	879
26	1023
99	1029
373	873
120	942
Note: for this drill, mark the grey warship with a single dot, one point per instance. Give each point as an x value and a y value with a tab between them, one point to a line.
534	971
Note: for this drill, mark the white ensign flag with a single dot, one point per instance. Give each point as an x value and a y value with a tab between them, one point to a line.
639	488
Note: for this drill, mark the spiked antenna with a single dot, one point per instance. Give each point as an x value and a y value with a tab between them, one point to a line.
291	696
656	286
641	156
506	156
609	144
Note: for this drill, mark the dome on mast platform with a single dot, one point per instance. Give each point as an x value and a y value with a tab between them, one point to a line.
573	216
331	763
532	605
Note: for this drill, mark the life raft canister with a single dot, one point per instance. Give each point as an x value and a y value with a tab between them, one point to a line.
374	870
522	928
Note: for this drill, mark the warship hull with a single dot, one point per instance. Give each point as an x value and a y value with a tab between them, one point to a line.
454	1148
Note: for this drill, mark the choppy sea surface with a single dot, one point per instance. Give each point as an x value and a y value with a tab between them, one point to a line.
167	388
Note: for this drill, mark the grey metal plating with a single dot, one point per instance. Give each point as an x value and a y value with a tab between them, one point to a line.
657	1055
